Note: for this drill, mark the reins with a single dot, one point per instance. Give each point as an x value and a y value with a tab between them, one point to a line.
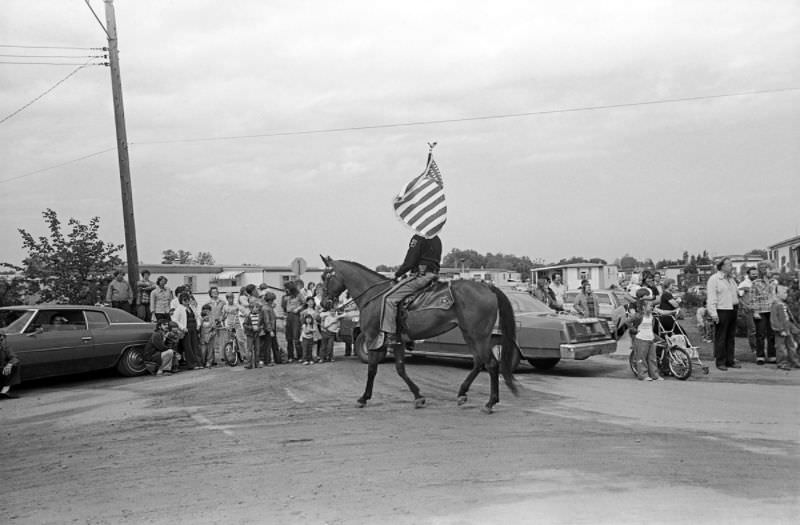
356	298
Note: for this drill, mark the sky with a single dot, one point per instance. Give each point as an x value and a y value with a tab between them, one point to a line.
243	121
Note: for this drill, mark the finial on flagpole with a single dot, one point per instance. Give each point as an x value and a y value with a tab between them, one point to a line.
431	145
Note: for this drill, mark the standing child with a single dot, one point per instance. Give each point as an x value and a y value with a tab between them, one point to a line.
329	328
251	326
785	329
269	343
311	309
207	332
308	335
704	323
643	333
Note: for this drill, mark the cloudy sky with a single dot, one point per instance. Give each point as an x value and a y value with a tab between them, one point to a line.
218	96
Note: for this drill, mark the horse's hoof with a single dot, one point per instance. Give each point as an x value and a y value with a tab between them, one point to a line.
487	409
361	403
462	400
419	402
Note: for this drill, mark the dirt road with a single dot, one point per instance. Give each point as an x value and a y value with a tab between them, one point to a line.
584	443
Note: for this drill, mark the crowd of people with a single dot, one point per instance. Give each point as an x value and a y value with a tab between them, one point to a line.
194	337
769	308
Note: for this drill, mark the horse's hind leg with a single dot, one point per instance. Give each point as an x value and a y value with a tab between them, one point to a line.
375	357
400	366
464	388
494	396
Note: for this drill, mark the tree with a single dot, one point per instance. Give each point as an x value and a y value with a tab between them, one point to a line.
204	258
627	262
57	267
183	257
756	252
169	257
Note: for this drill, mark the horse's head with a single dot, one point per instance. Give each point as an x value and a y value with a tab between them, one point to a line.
332	283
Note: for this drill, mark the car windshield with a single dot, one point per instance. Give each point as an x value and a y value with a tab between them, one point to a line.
13	321
524	303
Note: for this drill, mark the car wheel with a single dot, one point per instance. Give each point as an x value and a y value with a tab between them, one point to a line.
131	362
544	363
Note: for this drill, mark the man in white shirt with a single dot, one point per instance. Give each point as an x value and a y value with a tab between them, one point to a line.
723	303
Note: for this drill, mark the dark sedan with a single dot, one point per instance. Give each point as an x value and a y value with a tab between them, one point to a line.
543	336
54	340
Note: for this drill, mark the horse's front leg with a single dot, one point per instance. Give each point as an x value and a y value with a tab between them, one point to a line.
375	357
494	396
464	388
400	366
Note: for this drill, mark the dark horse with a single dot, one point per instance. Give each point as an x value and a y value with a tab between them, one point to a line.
474	310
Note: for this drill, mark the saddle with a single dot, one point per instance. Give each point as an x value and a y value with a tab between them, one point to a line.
435	296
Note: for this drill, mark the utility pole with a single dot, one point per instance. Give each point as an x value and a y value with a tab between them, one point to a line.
122	148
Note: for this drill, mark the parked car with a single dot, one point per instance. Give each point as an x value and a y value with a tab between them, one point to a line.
54	340
544	337
612	304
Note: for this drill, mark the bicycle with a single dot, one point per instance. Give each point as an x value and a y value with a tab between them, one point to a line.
671	360
230	352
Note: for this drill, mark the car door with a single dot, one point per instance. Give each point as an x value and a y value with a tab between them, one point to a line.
55	342
107	339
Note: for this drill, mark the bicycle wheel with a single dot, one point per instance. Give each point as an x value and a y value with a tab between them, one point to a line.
231	353
632	363
680	364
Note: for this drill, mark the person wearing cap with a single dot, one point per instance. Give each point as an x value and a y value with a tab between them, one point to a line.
585	302
157	349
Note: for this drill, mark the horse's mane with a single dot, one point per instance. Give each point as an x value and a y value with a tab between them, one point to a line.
370	270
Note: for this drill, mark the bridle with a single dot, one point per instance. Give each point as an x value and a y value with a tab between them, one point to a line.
329	272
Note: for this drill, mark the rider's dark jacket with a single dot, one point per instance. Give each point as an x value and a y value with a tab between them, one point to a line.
422	253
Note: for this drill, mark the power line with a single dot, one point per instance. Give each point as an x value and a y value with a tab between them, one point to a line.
51	88
423	123
52	56
59	165
470	119
55	47
56	63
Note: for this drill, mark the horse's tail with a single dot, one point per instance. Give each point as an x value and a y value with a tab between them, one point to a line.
508	327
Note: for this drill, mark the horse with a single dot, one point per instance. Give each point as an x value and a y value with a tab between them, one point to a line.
475	307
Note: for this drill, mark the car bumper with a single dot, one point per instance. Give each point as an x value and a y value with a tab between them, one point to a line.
583	350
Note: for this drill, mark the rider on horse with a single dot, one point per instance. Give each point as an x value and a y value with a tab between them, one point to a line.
423	260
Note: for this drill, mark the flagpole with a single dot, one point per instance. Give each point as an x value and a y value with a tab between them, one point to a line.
431	145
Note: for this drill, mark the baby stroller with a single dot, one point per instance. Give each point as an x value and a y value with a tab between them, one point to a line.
675	354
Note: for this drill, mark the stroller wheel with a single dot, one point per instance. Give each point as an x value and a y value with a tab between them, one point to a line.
680	364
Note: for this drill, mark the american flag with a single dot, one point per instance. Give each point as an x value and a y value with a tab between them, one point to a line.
420	204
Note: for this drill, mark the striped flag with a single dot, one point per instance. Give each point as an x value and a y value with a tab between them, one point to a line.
420	204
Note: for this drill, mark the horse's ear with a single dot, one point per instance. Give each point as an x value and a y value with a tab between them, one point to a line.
325	260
